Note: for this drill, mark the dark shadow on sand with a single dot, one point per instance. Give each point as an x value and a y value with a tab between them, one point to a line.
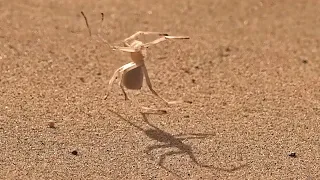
168	140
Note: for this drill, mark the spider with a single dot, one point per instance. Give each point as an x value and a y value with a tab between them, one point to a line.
131	74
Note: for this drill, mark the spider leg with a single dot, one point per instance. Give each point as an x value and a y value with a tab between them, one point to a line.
105	41
135	35
143	33
163	39
155	42
99	31
86	20
111	81
122	88
125	49
177	37
119	73
145	72
124	69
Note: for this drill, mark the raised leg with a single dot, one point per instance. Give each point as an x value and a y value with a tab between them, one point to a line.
163	39
177	37
86	20
124	49
155	42
99	31
125	41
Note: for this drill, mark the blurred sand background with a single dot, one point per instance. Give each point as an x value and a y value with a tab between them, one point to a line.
251	72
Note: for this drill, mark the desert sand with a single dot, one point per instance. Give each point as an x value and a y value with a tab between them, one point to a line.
249	76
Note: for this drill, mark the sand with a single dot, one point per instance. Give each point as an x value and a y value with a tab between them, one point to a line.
249	76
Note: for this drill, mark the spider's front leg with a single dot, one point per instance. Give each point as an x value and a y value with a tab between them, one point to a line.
119	73
165	37
111	81
129	77
135	35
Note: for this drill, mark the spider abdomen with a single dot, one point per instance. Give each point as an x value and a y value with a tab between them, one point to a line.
133	79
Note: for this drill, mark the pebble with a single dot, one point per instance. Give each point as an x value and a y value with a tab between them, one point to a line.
74	152
51	124
292	154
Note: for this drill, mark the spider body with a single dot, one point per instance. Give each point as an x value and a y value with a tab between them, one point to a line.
131	74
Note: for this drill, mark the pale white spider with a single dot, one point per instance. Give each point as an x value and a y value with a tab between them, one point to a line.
131	74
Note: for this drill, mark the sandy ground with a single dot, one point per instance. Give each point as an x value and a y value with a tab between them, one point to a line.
250	72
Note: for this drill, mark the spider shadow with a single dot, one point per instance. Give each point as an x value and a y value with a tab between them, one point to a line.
168	140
